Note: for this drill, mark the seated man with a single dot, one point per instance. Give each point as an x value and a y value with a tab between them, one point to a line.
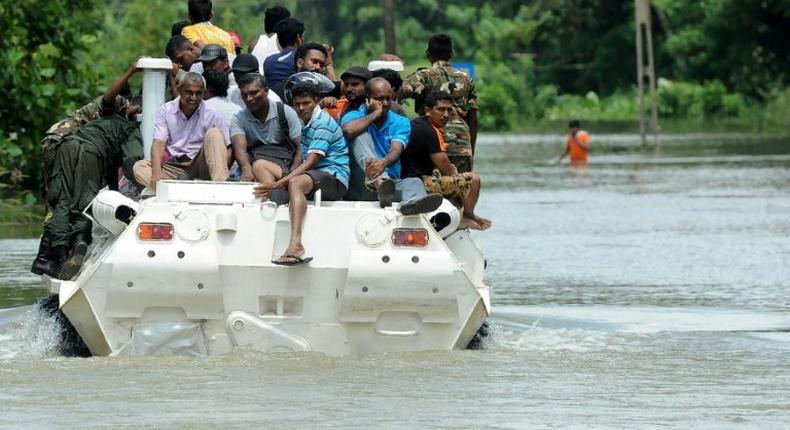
195	137
266	133
216	95
243	65
354	80
325	167
85	161
215	57
426	158
378	138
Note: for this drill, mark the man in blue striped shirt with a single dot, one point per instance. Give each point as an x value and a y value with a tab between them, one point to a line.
325	166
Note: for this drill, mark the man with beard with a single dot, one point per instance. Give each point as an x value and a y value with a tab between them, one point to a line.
354	80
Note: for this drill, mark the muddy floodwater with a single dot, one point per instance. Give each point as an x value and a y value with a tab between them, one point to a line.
650	291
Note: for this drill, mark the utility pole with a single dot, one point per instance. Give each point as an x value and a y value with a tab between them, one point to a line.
390	45
645	68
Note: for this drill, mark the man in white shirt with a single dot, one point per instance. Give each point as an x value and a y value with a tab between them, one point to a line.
216	95
266	44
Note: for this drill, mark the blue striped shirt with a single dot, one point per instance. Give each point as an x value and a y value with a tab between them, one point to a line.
323	136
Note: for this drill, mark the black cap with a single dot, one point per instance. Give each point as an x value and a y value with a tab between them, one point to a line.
357	72
211	52
245	63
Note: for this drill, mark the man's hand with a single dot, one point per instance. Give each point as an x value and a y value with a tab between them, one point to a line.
156	177
246	174
374	167
328	103
374	107
263	190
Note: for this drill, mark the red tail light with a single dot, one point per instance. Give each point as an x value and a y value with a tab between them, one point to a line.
410	237
154	231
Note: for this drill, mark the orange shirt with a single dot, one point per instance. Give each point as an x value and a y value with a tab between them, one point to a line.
575	150
336	111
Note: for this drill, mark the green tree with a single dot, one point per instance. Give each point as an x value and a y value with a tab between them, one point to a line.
46	73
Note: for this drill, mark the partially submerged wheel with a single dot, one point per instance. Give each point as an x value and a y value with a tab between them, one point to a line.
480	338
70	343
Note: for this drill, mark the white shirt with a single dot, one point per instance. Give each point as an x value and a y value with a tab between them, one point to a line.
267	45
224	106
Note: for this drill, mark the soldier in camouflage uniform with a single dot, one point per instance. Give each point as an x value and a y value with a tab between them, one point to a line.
69	170
460	133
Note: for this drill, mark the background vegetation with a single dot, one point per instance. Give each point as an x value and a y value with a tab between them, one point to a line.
536	60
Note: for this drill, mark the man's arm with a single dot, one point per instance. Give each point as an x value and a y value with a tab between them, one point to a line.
297	143
238	143
442	162
355	127
115	88
157	149
471	121
377	165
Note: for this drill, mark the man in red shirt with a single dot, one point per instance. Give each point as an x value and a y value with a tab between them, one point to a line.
577	145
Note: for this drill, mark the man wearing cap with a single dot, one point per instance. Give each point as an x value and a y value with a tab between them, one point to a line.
243	65
354	80
215	57
195	137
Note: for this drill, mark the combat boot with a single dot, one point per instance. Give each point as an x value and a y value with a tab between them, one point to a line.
45	263
73	265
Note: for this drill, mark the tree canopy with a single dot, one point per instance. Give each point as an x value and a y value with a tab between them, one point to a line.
533	58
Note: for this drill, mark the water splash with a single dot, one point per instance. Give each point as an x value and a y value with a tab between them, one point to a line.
28	332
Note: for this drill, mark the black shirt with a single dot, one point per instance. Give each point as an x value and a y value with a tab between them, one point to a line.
416	158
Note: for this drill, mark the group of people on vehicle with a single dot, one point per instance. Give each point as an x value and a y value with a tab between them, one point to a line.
278	116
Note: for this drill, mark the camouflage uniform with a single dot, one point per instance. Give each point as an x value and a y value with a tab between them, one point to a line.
83	115
441	76
449	186
86	160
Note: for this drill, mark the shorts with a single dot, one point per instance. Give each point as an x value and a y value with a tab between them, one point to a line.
461	162
331	188
263	153
449	186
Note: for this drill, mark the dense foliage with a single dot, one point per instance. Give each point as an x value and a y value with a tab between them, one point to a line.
535	60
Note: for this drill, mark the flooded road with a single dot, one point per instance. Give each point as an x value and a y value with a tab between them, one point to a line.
651	290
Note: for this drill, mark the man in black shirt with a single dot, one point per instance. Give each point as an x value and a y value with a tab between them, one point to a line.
426	157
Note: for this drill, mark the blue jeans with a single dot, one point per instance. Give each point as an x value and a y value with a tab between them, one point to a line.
363	148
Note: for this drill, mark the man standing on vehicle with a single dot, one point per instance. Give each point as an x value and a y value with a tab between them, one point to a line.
460	134
195	137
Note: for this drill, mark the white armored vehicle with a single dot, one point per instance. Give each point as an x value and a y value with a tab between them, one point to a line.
188	271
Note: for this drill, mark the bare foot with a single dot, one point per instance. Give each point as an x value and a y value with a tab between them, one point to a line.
484	222
467	222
